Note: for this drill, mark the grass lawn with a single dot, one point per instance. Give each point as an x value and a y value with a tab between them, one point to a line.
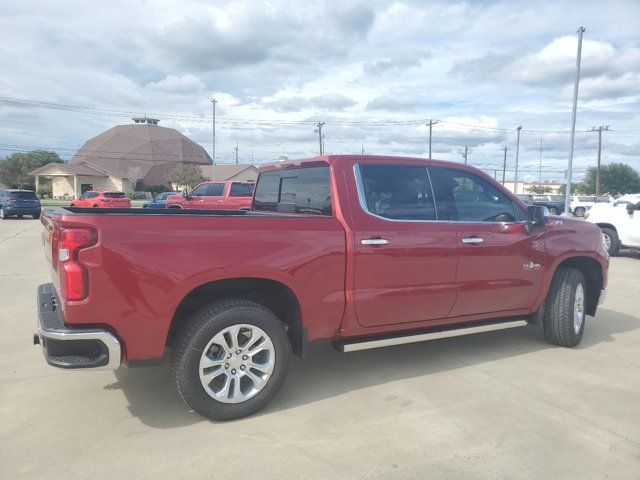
48	202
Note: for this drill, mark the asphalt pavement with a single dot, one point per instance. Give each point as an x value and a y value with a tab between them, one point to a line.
496	405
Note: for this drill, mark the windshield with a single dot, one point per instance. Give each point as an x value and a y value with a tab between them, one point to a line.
23	195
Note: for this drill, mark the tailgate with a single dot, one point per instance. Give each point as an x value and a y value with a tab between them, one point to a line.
50	243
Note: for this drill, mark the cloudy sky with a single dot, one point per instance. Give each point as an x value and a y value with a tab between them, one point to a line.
373	71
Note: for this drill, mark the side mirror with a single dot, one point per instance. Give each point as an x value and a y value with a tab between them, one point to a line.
536	215
185	194
630	208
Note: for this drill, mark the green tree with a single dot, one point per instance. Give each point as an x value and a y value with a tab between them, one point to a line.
615	178
14	169
186	176
576	189
539	189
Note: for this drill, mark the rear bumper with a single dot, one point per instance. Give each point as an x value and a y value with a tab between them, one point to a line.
21	210
65	347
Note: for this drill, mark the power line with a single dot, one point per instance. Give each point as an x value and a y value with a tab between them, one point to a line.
265	121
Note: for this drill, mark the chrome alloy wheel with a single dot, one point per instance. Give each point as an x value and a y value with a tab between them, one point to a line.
578	308
607	241
237	363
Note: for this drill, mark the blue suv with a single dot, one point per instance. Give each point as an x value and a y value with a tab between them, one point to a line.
19	203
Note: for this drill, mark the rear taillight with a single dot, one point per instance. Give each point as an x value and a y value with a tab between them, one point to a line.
73	275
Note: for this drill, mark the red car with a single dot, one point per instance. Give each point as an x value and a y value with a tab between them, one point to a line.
361	251
94	199
215	196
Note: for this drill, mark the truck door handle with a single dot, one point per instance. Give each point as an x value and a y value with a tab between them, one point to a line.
472	240
374	241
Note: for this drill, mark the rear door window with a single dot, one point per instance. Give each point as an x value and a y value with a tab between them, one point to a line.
23	195
299	190
397	192
241	190
114	194
215	190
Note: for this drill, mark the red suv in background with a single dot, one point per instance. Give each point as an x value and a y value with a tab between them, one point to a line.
93	199
215	196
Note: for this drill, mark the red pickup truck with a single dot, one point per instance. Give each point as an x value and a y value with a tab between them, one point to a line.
215	196
362	251
95	199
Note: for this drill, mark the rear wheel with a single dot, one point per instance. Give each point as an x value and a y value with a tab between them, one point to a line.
579	211
566	306
3	214
554	211
611	241
230	359
36	216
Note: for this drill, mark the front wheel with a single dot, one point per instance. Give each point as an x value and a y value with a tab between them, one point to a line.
566	306
579	211
230	359
3	214
611	241
554	211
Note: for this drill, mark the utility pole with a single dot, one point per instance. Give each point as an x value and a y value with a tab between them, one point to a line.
504	164
600	129
318	130
235	151
430	125
213	138
540	164
515	181
466	153
362	152
567	199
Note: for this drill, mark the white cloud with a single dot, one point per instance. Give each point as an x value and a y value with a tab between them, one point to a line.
492	64
179	85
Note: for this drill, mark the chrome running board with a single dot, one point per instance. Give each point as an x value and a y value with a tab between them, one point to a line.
364	344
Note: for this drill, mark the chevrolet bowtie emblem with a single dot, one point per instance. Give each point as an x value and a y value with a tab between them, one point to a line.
531	266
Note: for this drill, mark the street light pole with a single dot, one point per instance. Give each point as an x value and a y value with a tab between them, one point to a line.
567	198
213	138
430	125
599	130
504	164
515	182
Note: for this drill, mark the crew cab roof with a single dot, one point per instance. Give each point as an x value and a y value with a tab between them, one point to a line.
348	159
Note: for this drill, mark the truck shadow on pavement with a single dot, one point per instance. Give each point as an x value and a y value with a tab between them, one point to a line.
325	373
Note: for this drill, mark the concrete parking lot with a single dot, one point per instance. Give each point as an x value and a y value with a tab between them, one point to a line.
497	405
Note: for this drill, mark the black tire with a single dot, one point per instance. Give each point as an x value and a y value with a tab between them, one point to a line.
19	216
559	327
614	241
579	211
197	332
36	217
554	211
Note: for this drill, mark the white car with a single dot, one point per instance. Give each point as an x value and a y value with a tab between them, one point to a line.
582	204
619	221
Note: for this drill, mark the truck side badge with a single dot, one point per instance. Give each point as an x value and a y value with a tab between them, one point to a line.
527	267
